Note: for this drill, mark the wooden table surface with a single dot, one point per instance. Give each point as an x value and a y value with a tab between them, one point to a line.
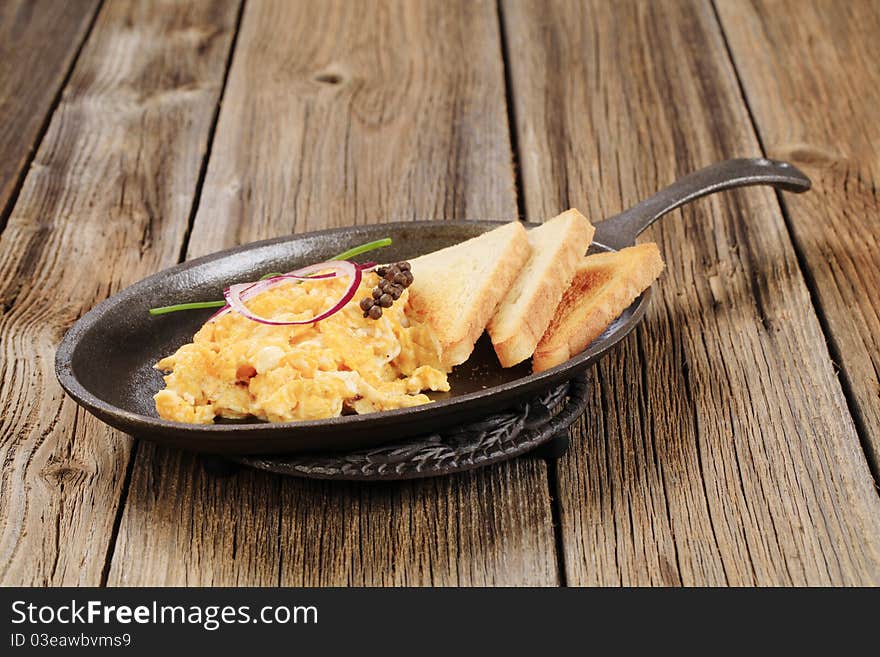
734	439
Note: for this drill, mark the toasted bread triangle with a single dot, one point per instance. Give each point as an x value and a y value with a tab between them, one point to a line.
457	289
524	314
603	286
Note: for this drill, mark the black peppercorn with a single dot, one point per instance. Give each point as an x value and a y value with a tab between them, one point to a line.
393	280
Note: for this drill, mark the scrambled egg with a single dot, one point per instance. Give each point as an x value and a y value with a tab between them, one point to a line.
237	368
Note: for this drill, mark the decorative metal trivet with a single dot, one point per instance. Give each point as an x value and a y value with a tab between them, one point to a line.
541	421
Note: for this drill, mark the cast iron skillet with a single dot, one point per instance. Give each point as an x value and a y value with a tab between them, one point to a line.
105	362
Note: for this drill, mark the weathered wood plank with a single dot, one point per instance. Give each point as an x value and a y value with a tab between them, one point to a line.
810	74
106	201
718	448
29	83
340	113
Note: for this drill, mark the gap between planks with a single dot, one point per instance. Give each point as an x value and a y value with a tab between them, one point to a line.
520	191
203	169
831	343
197	195
519	187
6	211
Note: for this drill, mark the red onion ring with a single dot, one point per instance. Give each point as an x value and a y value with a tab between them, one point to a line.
236	295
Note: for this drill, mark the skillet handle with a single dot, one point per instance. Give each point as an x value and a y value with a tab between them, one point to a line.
621	230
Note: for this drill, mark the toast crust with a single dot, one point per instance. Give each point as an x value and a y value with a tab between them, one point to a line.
603	286
457	289
528	307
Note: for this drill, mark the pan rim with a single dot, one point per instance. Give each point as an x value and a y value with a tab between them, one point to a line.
214	432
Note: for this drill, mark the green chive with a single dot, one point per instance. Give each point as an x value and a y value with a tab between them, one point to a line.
363	248
198	305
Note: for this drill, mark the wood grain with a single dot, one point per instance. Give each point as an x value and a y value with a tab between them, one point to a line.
810	74
343	113
106	201
29	83
718	448
365	116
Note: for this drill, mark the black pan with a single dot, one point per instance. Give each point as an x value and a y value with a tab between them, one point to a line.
105	362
